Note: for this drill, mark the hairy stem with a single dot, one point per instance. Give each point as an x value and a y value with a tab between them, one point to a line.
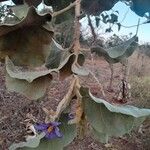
77	27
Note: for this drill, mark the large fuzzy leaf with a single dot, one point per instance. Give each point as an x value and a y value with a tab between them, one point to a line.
33	90
27	41
32	143
123	50
64	60
33	82
101	52
108	119
24	73
102	137
56	54
69	133
20	11
118	53
31	18
29	82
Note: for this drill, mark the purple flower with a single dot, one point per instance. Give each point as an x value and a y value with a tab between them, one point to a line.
51	129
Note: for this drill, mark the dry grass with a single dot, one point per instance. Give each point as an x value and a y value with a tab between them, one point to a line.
139	65
140	91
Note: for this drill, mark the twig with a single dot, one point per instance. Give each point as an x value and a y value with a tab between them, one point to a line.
92	28
102	89
63	10
112	75
137	27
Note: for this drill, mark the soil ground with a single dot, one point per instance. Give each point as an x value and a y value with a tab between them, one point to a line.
15	109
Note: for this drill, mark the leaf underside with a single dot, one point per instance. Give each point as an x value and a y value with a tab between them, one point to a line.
118	53
111	120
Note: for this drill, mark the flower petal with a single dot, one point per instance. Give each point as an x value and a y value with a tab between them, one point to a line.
41	127
57	132
51	135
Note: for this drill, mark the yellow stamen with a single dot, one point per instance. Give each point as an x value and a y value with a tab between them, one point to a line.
50	129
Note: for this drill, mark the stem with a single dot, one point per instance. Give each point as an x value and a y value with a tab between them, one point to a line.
100	85
112	75
77	27
125	70
92	28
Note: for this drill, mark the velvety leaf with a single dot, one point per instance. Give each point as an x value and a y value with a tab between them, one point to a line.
101	52
118	53
55	56
24	73
69	133
123	50
108	119
20	11
101	137
32	143
63	59
33	90
32	18
27	40
33	82
30	82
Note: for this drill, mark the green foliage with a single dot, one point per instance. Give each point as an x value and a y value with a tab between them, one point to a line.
20	11
23	42
31	74
109	120
31	55
123	50
69	133
31	83
117	53
32	143
19	42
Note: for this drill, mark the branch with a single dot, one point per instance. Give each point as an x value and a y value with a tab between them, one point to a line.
92	28
100	84
76	42
63	10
